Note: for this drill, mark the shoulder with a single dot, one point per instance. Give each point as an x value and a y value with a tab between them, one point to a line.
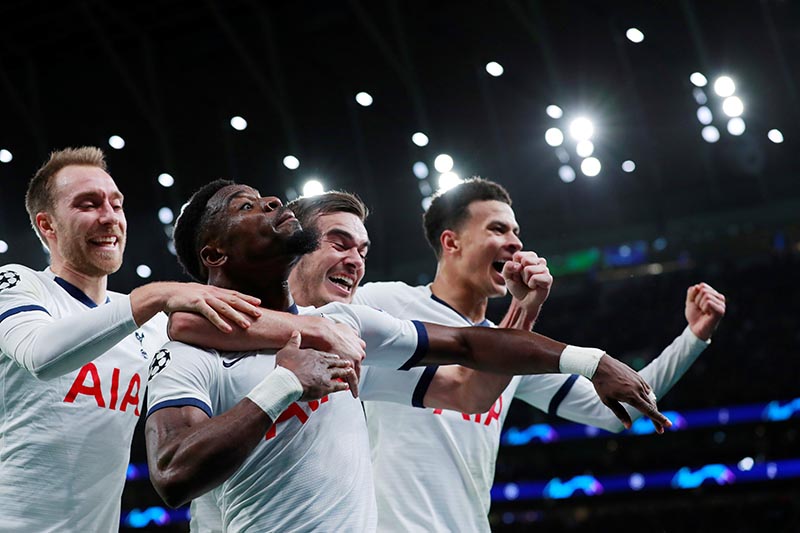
389	295
18	280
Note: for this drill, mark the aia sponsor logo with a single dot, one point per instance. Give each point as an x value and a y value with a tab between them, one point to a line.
106	395
300	411
485	418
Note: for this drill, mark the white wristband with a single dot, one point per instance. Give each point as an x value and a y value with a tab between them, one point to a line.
577	360
276	392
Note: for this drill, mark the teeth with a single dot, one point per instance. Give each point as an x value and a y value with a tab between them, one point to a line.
347	282
105	240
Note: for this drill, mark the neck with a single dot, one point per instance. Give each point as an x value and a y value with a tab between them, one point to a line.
273	290
92	286
448	287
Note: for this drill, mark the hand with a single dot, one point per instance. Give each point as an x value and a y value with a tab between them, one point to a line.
320	373
616	382
705	307
214	303
528	280
340	339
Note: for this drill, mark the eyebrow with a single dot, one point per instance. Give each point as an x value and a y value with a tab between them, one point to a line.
338	232
515	228
238	194
97	192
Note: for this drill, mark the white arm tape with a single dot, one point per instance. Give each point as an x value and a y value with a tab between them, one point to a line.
577	360
276	392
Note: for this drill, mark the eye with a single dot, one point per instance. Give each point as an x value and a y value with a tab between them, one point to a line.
247	206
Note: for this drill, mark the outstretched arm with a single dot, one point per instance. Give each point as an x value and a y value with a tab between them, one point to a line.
705	308
189	453
50	347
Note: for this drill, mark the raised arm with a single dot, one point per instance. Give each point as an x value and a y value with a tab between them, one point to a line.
705	308
471	391
189	453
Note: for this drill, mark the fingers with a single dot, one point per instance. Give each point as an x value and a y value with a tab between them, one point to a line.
243	305
294	340
349	378
619	412
212	316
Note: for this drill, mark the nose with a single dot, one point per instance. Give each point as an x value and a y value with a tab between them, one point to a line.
271	203
109	215
354	258
514	244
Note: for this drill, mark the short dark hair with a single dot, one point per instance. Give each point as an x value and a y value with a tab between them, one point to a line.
193	226
450	209
39	196
308	208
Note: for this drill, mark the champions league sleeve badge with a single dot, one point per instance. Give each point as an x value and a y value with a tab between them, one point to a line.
8	279
160	361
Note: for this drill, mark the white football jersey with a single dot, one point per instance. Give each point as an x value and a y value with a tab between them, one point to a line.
434	468
312	471
65	442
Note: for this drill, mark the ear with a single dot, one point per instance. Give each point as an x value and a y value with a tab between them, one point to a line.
45	225
449	241
212	257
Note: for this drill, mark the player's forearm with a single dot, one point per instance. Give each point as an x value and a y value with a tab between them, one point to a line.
504	351
52	348
270	331
665	370
202	456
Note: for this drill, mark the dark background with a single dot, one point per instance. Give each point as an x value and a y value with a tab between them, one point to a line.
168	76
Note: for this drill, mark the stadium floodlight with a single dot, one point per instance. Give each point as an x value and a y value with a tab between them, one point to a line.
448	180
566	173
291	162
584	148
165	215
421	170
143	271
238	123
698	80
736	126
710	134
3	247
166	180
5	156
364	99
554	137
634	35
628	166
553	111
581	129
313	187
420	139
775	136
704	115
494	69
724	86
443	163
116	142
733	106
591	166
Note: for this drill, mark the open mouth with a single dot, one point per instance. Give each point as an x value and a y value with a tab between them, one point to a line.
498	266
109	241
342	281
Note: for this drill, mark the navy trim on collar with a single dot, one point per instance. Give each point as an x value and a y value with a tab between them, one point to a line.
76	293
293	309
483	323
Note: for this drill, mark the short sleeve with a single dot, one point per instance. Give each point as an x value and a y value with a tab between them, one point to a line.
397	386
181	375
391	342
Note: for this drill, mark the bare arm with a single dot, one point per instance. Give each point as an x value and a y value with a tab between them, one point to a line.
189	453
520	352
472	391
